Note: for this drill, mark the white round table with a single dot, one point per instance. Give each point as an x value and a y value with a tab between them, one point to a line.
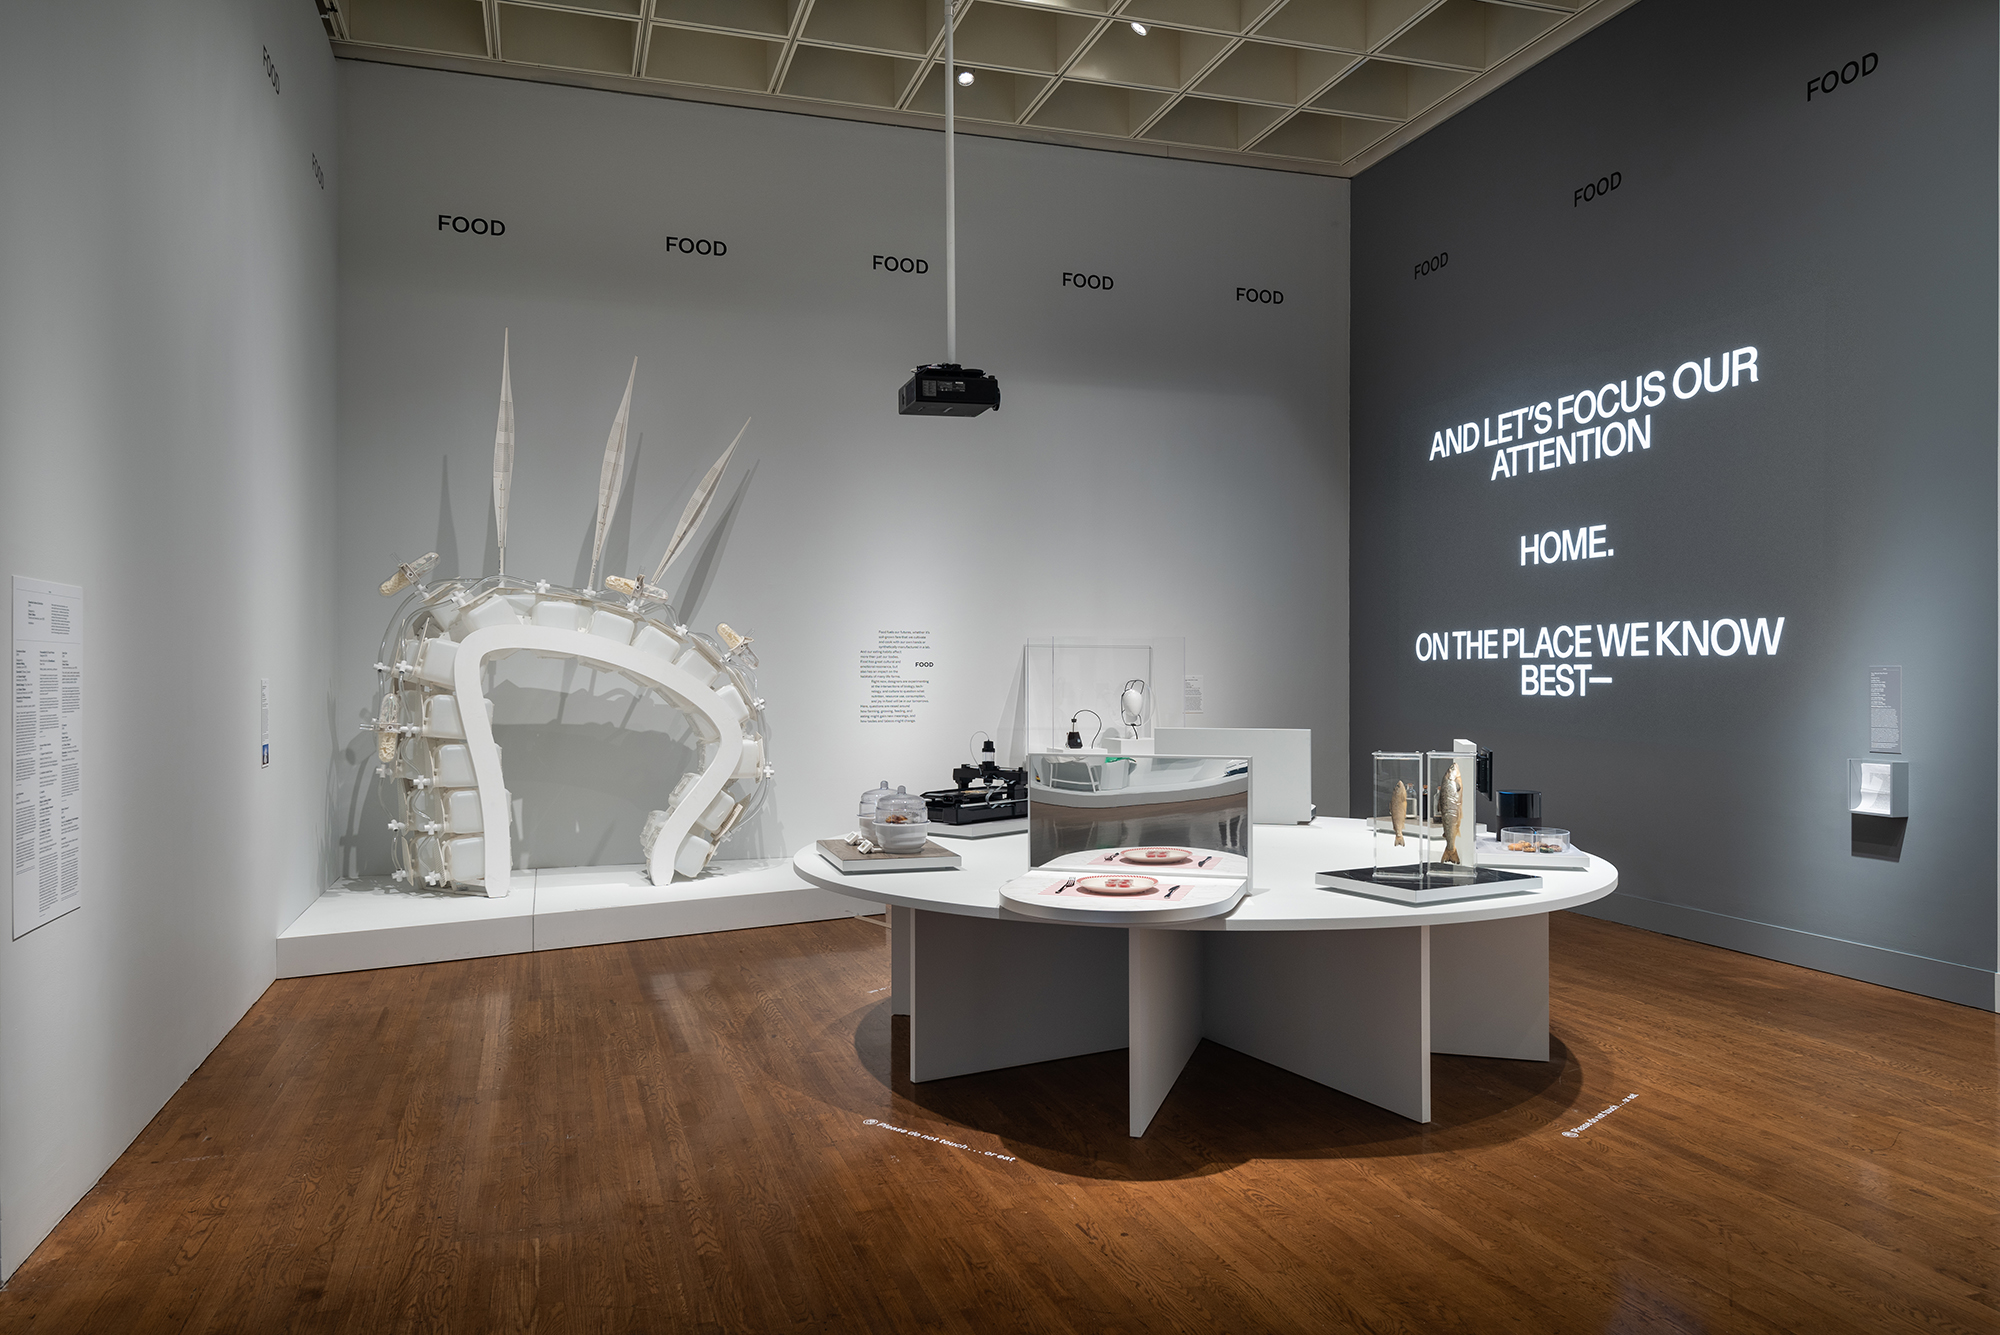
1289	976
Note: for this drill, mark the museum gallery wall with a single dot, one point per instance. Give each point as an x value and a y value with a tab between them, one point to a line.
1169	459
166	444
1673	421
1673	417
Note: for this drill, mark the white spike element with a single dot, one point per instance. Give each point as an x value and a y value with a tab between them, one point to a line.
697	506
612	478
503	451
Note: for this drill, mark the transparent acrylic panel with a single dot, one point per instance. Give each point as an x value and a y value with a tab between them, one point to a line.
1116	691
1450	833
1396	827
1178	812
1537	839
1878	787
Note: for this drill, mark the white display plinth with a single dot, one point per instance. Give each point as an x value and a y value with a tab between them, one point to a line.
1355	993
377	923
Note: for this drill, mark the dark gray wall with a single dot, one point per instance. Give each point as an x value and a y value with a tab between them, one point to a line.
1851	240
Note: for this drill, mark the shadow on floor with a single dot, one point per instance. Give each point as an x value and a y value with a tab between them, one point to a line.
1070	1115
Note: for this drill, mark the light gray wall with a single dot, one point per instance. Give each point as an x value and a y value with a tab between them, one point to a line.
1168	461
166	341
1851	238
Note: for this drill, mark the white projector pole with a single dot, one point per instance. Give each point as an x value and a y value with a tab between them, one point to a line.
950	195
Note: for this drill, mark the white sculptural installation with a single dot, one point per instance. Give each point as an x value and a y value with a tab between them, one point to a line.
434	732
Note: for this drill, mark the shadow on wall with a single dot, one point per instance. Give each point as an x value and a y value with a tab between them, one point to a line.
700	572
616	558
586	757
447	534
1877	837
1013	739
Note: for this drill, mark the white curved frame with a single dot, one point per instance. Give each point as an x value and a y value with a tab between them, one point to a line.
695	693
446	743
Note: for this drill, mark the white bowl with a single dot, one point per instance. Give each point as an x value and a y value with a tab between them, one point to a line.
903	837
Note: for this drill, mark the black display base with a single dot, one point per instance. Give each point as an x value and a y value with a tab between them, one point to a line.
1433	883
976	813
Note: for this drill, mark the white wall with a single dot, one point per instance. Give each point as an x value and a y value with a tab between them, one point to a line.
166	319
1168	461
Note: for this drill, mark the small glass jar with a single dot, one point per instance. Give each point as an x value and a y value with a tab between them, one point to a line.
902	822
869	800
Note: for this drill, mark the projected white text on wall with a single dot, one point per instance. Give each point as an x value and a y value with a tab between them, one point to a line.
1589	425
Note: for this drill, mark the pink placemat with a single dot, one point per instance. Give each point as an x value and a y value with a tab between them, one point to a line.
1166	890
1201	860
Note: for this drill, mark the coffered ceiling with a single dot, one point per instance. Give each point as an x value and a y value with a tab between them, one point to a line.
1325	86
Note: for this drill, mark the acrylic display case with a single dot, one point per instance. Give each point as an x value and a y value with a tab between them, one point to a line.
1068	677
1534	848
1541	840
1451	846
1423	832
1878	787
1396	827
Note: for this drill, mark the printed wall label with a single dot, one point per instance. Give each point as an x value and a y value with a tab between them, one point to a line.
48	752
893	693
1885	710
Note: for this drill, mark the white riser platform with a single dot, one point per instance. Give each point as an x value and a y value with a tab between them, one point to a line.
377	923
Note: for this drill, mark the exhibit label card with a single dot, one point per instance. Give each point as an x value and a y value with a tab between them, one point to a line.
1885	710
48	752
896	673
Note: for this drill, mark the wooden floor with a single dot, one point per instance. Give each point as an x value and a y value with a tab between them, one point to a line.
712	1134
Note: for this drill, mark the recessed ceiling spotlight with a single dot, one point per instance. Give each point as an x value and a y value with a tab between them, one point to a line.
964	77
1139	28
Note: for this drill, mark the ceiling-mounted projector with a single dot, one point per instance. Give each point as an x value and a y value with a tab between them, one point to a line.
946	389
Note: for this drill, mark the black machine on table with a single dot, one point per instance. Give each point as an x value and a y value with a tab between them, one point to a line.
984	792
